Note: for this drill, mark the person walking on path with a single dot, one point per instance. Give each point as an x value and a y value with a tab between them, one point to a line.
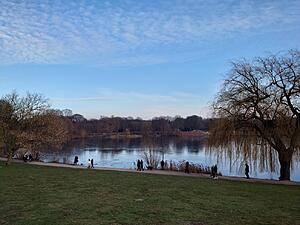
187	169
142	165
76	160
216	172
171	165
138	165
247	171
162	164
92	163
212	171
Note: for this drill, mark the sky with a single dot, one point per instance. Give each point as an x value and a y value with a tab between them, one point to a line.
136	58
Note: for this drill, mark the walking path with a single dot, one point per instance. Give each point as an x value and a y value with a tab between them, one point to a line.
161	172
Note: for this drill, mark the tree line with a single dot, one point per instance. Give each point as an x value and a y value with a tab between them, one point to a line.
81	127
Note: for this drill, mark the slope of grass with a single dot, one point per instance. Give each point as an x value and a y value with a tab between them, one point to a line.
32	195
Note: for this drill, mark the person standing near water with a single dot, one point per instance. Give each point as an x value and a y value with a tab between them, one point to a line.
216	171
138	165
162	164
213	171
247	171
76	160
89	163
142	165
92	163
187	169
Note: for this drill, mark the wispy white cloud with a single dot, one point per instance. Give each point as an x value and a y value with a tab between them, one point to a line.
107	94
124	32
82	99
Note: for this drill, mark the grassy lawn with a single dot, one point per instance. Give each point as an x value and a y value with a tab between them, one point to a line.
44	195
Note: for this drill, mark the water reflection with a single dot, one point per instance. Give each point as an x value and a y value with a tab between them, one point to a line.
122	153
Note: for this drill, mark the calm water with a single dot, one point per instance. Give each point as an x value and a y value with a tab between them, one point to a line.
123	153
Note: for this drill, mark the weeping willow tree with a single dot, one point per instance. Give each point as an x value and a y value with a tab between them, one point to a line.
259	105
28	122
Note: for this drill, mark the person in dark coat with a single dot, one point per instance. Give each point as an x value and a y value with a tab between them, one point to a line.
162	164
138	165
37	156
142	165
76	160
247	171
92	163
187	169
212	171
25	158
216	170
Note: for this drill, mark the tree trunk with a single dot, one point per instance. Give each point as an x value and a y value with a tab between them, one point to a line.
285	159
9	158
10	152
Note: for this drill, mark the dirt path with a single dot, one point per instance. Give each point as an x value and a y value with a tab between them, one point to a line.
162	172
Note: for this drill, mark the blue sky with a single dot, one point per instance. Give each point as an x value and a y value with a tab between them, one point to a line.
136	58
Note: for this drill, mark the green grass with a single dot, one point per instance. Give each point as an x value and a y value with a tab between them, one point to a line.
43	195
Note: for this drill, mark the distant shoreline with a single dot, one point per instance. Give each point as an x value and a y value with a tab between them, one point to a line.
120	135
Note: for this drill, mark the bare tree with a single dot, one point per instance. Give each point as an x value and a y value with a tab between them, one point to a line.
27	122
151	157
259	104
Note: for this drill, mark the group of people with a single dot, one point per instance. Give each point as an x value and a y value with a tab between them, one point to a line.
76	160
214	171
27	158
140	165
90	162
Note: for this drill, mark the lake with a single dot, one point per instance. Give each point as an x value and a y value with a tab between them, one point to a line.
123	153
